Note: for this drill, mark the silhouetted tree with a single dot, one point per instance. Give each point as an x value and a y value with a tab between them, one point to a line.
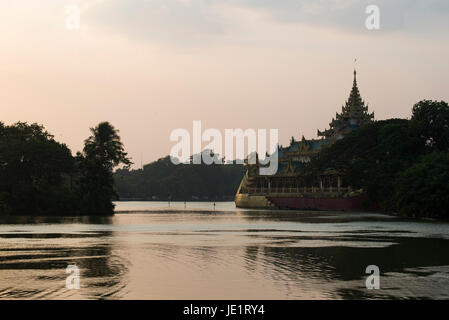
35	172
422	190
102	151
183	181
430	121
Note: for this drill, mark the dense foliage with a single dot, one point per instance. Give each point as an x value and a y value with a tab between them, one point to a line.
39	176
163	180
402	164
422	190
102	151
34	170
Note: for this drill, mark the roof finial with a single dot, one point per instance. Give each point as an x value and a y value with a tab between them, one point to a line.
355	72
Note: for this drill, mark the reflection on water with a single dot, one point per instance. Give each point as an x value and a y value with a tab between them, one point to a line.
198	253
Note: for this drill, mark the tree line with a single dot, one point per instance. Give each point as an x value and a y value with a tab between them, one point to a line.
39	176
162	180
402	164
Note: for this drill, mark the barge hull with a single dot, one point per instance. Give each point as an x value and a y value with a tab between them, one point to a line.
330	204
355	203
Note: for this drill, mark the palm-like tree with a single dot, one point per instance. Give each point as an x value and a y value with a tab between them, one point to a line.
104	146
102	151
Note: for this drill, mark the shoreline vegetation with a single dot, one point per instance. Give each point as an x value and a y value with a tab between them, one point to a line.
162	180
39	176
401	164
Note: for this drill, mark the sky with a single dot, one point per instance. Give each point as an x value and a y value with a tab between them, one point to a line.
152	66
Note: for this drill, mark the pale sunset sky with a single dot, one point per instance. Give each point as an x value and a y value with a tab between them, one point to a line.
151	66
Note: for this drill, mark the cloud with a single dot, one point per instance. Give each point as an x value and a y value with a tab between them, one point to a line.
349	15
202	20
165	20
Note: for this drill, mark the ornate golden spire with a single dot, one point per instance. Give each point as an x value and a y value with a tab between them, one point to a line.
353	114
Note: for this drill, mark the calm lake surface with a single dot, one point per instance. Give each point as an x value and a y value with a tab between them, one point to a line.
190	251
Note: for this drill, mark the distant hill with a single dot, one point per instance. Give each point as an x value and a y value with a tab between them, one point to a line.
161	180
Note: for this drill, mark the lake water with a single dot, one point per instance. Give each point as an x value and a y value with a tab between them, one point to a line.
191	251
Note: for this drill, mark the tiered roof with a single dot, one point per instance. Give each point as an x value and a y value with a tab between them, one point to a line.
353	115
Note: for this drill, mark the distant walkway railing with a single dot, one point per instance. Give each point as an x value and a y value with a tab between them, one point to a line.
297	190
